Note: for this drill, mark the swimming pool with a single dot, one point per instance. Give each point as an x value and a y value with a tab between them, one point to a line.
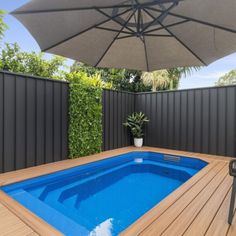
104	197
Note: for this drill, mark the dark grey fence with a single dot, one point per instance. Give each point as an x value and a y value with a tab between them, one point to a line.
116	107
33	121
198	120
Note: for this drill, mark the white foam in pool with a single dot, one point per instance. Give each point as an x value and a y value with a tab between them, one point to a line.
138	160
104	229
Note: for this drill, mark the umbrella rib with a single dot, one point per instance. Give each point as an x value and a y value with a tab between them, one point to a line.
84	31
105	14
145	46
138	23
159	35
157	19
150	35
117	35
134	7
195	20
146	55
127	36
113	30
179	40
167	26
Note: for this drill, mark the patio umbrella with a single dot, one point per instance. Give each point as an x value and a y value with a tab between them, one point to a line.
136	34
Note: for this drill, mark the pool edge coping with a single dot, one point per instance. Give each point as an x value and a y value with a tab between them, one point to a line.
42	227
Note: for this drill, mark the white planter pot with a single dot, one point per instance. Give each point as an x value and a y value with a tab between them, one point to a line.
138	142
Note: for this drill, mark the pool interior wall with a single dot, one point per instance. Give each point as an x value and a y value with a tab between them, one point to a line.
104	197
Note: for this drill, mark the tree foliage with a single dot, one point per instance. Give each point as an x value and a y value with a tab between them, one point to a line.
121	79
131	80
14	60
227	79
159	80
3	26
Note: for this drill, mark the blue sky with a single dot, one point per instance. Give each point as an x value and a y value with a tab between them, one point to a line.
207	76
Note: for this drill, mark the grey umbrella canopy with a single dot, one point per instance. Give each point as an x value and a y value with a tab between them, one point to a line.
136	34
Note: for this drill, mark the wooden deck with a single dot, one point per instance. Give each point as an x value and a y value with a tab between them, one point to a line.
198	207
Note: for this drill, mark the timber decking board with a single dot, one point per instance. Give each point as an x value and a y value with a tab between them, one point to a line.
162	223
187	216
202	221
198	207
10	224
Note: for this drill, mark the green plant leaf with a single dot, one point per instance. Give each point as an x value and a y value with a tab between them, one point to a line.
85	117
135	122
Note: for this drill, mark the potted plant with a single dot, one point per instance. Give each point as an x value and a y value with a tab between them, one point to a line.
136	123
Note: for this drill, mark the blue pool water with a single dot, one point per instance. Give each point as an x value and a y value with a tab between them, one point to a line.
103	198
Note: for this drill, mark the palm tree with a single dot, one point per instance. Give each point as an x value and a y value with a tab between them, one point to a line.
166	79
158	79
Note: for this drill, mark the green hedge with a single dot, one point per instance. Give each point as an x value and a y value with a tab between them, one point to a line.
85	119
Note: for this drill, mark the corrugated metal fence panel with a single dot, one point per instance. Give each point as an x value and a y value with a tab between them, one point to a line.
33	121
1	121
116	107
198	120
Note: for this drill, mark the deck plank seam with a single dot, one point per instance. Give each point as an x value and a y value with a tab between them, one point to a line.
218	173
154	220
218	211
209	200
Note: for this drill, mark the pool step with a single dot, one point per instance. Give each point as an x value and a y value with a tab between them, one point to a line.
71	182
90	185
52	215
